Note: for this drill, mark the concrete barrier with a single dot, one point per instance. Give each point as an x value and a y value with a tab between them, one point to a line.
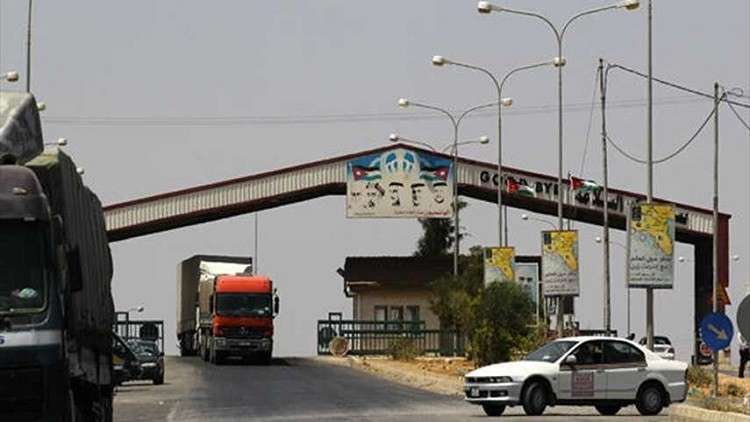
687	413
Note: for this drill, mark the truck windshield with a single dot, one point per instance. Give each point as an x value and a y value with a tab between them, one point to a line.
23	267
243	304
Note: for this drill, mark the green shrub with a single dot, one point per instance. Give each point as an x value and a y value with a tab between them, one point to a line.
404	348
735	390
698	377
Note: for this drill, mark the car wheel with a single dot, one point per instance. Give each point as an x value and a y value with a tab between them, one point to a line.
493	409
535	399
650	400
607	409
159	379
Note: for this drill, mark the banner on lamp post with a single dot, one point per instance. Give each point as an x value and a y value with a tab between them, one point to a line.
499	264
560	263
651	245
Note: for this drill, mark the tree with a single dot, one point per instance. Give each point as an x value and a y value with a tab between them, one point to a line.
504	314
495	319
437	235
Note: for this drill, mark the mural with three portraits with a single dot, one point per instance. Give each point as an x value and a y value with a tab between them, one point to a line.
399	183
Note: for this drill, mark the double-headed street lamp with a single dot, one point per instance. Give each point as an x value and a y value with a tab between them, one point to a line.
487	7
455	121
507	102
526	217
394	137
11	76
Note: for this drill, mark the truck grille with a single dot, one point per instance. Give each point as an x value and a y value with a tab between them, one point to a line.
242	332
21	393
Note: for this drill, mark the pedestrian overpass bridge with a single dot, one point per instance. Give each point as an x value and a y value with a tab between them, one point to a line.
478	180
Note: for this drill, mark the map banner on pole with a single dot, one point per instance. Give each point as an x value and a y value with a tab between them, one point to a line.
399	183
560	263
499	265
651	240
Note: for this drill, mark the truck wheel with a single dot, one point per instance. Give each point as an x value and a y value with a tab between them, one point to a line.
535	399
493	409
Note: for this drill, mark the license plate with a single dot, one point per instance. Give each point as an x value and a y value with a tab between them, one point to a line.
474	392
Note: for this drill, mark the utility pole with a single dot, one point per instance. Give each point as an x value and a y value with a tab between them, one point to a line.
605	226
255	241
650	177
28	51
716	228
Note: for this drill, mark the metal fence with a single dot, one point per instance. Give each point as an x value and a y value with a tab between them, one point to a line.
375	337
131	329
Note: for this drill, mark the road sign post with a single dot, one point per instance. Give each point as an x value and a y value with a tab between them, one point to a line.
716	332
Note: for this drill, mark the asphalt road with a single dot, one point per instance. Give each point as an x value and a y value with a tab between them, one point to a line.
299	389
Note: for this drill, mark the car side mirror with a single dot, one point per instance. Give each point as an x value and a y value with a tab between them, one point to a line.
571	360
161	354
276	305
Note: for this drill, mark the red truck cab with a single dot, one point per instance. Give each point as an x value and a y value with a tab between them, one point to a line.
242	311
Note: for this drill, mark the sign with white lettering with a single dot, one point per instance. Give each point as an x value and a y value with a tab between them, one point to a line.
545	187
651	252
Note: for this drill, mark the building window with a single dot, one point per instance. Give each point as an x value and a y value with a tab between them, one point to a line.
396	318
381	313
412	316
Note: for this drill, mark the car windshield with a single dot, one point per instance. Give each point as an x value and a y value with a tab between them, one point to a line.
23	267
243	304
551	352
148	348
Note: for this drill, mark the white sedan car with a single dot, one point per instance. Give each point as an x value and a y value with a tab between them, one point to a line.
605	372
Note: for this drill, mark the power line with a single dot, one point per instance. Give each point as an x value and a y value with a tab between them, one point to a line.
239	120
674	85
670	156
744	123
588	129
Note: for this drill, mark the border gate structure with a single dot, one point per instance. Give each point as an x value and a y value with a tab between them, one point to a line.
475	179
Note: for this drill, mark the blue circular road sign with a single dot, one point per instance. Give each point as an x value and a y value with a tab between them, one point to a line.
717	331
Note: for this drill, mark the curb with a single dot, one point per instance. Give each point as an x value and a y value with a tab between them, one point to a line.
425	381
687	413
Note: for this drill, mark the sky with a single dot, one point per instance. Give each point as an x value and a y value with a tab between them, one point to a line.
158	96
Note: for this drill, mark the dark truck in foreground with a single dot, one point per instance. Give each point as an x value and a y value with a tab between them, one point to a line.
56	309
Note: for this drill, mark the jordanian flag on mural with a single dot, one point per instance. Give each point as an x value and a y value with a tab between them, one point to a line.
515	187
584	185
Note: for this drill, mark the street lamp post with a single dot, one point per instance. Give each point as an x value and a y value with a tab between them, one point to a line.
455	121
507	102
486	7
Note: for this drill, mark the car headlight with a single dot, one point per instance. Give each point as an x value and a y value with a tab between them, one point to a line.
499	380
220	340
148	365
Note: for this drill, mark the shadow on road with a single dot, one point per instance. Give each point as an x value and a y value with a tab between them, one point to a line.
232	361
